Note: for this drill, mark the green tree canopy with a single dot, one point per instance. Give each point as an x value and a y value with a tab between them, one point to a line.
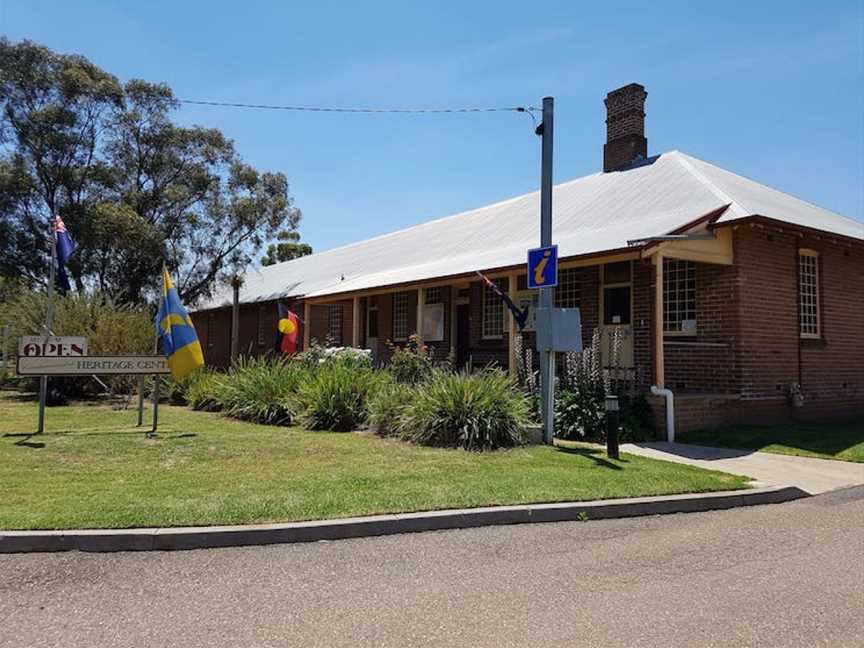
287	248
134	188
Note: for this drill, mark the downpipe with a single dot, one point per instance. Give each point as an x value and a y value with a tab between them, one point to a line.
670	410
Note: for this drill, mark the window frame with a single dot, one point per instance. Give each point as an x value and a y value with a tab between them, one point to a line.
260	337
807	253
569	289
400	314
433	295
605	284
488	297
688	267
331	310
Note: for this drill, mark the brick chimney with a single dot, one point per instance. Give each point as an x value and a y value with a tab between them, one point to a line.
625	127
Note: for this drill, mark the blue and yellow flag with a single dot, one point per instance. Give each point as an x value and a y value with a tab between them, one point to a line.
176	332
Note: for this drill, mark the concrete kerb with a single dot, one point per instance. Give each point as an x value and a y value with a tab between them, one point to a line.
180	538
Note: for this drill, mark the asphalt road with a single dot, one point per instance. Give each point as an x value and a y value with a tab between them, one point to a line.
783	575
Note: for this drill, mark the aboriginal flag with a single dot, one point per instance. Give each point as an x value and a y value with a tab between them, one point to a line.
288	331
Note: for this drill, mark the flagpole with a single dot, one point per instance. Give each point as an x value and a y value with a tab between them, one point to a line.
49	318
152	432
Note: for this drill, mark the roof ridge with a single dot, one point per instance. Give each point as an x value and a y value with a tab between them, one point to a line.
681	155
725	198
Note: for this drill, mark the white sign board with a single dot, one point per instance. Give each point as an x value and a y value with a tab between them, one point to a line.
91	365
52	345
433	323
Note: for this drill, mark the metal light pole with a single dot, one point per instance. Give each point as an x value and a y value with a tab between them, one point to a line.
547	355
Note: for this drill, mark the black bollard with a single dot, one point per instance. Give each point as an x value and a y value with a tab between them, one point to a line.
612	426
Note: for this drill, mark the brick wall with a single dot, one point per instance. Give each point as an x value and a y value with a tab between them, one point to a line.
696	412
643	324
772	354
706	362
487	351
214	334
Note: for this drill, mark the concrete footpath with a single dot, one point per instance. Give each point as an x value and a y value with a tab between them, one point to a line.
811	475
174	538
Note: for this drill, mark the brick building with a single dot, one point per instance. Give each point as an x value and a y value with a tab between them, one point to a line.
745	302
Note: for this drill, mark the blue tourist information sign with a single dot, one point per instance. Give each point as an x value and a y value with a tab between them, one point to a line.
543	267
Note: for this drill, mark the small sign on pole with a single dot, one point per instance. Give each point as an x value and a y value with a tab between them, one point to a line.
543	267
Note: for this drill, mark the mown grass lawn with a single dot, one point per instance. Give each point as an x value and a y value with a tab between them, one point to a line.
93	468
844	441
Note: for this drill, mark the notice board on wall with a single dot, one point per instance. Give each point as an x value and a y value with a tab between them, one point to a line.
433	323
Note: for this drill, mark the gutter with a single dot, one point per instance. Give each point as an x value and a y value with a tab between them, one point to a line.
642	242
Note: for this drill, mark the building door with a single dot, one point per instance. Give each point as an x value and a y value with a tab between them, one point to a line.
372	332
616	302
463	332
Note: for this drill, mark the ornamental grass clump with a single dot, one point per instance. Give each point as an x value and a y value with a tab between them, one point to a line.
261	390
202	390
481	411
336	397
387	406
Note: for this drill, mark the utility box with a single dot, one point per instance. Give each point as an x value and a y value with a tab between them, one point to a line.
559	329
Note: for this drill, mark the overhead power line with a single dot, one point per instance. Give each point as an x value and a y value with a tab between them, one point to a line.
333	109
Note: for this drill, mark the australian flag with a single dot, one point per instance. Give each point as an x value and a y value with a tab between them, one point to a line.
65	249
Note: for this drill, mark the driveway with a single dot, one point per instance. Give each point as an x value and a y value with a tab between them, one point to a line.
785	575
811	475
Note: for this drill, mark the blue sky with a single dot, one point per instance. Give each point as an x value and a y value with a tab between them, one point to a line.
771	90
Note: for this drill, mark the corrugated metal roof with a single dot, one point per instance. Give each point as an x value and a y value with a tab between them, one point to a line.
592	214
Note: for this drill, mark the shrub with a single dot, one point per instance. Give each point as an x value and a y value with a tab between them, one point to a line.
580	407
259	389
202	390
110	330
317	355
170	390
336	397
580	414
637	419
387	406
481	411
412	363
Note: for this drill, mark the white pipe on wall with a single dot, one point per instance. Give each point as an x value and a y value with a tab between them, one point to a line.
670	410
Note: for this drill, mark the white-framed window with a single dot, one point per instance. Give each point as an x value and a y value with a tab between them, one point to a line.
679	297
262	323
808	294
567	291
400	316
493	311
334	324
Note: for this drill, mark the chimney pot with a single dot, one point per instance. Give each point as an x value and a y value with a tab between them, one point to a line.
625	127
